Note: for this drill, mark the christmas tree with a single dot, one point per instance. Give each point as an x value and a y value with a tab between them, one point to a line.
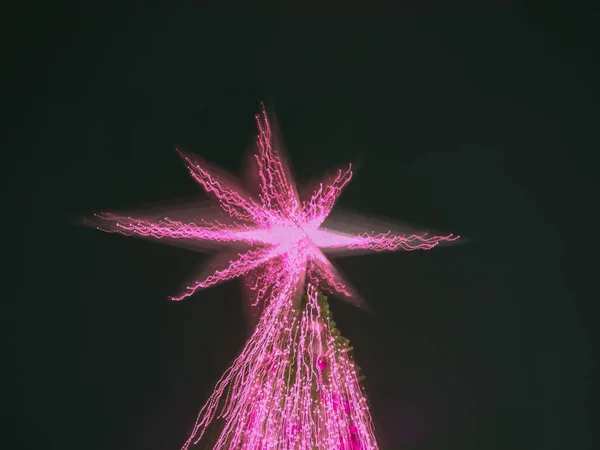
294	386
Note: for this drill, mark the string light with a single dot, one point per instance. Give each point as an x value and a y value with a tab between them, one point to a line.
294	385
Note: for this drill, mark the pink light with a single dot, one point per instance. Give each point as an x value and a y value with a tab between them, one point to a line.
261	403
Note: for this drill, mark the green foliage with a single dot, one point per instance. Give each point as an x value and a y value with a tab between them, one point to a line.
341	342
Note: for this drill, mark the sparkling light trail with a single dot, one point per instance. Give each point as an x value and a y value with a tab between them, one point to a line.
294	385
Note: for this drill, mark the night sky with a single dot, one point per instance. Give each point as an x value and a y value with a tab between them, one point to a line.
481	123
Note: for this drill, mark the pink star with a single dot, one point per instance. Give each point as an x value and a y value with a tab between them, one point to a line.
284	234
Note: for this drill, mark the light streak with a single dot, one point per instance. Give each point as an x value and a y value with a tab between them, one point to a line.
294	385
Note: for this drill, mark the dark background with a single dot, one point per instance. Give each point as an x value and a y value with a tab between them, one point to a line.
479	122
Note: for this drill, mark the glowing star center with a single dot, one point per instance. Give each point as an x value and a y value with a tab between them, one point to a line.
290	238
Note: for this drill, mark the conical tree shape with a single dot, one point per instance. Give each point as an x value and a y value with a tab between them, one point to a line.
294	386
